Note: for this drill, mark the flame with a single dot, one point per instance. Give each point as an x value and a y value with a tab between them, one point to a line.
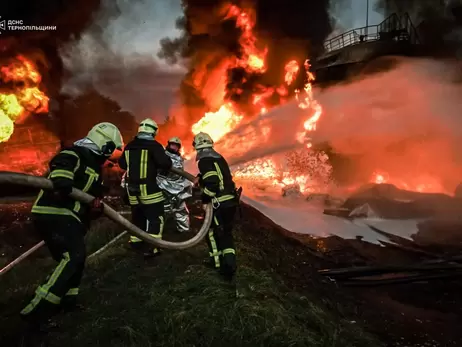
306	171
280	172
292	68
422	183
308	102
25	96
218	124
253	59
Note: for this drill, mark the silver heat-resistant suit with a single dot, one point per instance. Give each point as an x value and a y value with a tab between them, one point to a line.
176	190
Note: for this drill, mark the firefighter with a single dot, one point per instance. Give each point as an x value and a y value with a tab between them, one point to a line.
63	222
175	187
142	158
218	188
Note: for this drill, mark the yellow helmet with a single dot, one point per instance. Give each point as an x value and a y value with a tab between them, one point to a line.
107	137
148	126
175	140
202	140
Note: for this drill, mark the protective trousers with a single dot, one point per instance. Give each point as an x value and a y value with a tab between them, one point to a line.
65	238
148	217
178	209
221	242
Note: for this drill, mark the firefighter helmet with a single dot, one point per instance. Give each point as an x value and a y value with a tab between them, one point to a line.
202	140
107	137
176	140
148	126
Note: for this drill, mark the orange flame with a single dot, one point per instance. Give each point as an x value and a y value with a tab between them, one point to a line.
253	59
218	124
292	68
422	184
27	98
315	170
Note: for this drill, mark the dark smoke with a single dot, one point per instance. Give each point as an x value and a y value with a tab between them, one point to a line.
342	16
291	29
43	46
70	18
417	9
438	22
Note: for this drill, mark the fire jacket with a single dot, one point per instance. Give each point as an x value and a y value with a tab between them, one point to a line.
215	178
175	185
77	167
141	159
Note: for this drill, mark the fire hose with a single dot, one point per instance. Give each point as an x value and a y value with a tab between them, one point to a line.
14	178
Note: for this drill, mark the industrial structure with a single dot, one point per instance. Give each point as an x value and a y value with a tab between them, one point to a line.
352	50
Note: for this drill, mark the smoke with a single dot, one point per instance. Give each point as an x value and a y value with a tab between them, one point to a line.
417	9
438	22
343	16
212	41
116	56
69	21
404	124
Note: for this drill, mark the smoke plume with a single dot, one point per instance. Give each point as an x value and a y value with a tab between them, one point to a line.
116	56
215	37
342	16
438	22
63	14
417	9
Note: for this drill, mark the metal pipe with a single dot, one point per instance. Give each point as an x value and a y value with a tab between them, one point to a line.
21	258
367	19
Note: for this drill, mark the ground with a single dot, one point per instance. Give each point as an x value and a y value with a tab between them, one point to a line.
279	298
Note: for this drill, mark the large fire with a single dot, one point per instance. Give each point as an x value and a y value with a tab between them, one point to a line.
304	169
20	94
227	118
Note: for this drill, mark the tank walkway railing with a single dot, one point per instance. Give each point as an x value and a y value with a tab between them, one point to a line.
393	28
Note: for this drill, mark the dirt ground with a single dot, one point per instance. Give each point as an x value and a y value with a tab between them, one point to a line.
420	314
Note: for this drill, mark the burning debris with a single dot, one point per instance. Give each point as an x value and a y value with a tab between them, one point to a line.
298	170
20	94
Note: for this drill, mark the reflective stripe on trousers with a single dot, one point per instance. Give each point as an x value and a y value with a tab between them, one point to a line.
43	292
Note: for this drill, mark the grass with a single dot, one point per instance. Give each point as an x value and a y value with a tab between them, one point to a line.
173	300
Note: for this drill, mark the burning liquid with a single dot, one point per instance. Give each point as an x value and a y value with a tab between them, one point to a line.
401	127
23	95
236	139
260	136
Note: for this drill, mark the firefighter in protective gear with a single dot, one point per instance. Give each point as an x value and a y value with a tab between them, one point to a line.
63	222
175	187
142	158
218	187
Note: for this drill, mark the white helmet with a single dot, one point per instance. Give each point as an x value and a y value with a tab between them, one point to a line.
107	137
175	140
202	140
148	126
